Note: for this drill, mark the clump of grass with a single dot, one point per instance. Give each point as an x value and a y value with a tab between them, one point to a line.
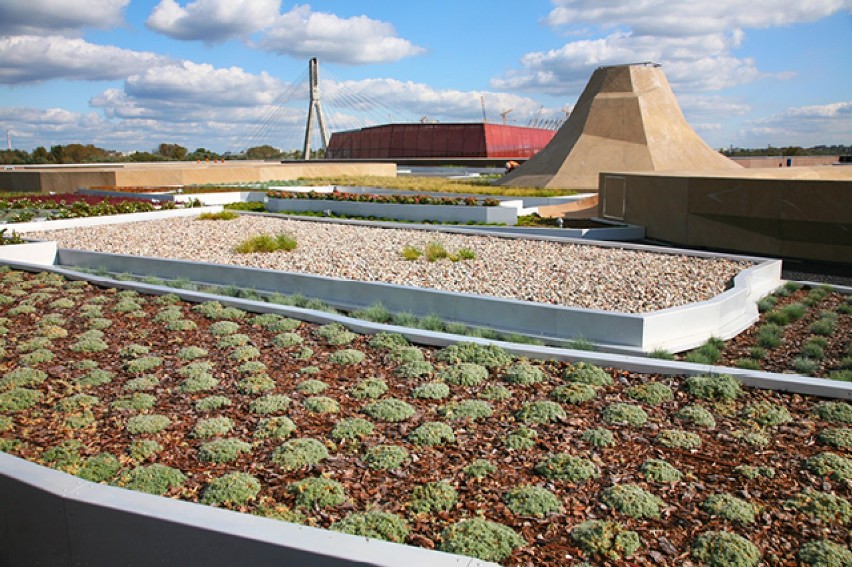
725	549
221	215
390	409
678	439
480	538
524	374
432	433
823	506
731	508
374	524
824	553
433	497
264	243
541	412
466	409
659	470
830	464
586	373
385	457
619	413
722	387
147	424
766	414
154	479
787	314
598	437
607	539
805	366
411	253
769	335
300	452
632	500
317	492
708	353
223	450
532	501
521	438
651	393
464	374
562	466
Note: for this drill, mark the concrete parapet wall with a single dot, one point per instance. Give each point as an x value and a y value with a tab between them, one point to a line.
24	227
807	215
52	518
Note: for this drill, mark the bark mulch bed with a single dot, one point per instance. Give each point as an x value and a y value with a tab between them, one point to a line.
763	448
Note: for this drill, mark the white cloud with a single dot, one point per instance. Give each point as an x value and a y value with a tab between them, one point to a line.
213	21
302	32
25	59
29	17
804	126
695	41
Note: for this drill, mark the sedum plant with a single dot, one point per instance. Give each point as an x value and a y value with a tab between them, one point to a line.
232	489
433	497
274	427
532	501
463	374
632	500
480	538
658	470
154	479
541	412
223	450
480	468
825	553
725	549
562	466
466	409
300	452
607	539
374	524
385	457
371	388
389	409
351	429
574	393
317	492
586	373
619	413
731	508
432	433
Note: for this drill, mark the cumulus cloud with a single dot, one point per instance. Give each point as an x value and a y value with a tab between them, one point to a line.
27	59
807	125
695	42
301	32
213	21
27	17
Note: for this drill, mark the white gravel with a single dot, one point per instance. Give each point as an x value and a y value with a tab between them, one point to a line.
541	271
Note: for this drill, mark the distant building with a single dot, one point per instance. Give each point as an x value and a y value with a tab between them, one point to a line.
439	140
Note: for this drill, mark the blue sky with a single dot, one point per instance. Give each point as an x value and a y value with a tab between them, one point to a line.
225	74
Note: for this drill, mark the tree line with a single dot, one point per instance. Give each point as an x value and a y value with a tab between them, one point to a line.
80	153
789	151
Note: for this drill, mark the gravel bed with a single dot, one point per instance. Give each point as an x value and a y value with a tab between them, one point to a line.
548	272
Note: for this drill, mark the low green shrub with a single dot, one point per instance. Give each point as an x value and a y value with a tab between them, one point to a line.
265	243
335	334
142	383
678	439
766	414
22	377
222	328
99	468
480	538
389	409
562	466
521	438
541	412
374	524
823	506
607	539
285	340
279	427
598	437
433	497
696	415
65	456
269	404
211	427
317	492
347	357
658	470
232	489
632	500
405	354
432	433
574	393
192	353
825	553
255	384
414	369
321	404
731	508
351	429
495	392
223	450
532	501
143	364
369	388
835	411
154	479
300	452
480	468
490	356
751	472
769	335
586	373
385	457
651	393
466	409
725	549
722	387
830	464
138	401
147	424
619	413
388	341
840	437
524	374
464	374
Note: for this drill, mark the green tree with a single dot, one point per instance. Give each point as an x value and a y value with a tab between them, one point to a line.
263	152
172	151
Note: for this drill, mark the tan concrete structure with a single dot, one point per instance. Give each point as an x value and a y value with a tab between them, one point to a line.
786	212
69	178
627	119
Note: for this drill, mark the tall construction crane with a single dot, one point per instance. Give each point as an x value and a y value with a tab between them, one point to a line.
482	102
504	113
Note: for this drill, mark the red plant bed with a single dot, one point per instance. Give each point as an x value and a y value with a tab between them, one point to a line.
396	199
